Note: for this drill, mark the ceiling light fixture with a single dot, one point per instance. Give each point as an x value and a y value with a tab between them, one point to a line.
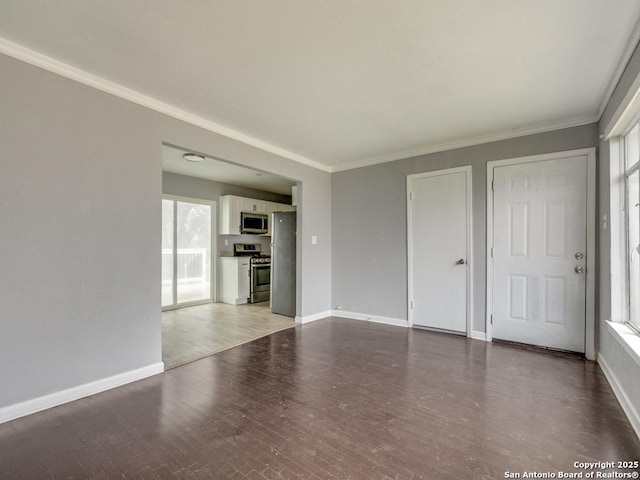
193	157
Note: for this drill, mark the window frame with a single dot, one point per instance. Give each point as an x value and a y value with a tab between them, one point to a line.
619	210
626	172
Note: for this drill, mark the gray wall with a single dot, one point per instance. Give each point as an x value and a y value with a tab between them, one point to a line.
370	221
181	185
622	366
80	190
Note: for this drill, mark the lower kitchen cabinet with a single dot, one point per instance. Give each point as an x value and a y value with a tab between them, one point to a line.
234	279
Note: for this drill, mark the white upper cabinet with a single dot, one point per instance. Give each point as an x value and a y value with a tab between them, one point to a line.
231	206
252	205
229	215
283	207
270	207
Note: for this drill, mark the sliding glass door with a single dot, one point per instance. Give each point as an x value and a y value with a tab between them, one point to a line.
168	207
186	252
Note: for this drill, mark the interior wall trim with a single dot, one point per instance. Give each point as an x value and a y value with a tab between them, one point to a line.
313	318
28	407
397	322
52	65
476	335
618	390
468	142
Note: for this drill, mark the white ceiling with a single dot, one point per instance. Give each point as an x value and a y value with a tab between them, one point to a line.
213	169
343	83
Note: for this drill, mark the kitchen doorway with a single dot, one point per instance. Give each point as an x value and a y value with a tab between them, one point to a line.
203	326
540	226
439	250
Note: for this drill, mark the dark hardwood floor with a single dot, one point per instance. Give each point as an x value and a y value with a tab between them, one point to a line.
334	399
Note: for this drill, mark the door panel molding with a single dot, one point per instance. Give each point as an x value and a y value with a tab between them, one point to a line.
467	170
590	154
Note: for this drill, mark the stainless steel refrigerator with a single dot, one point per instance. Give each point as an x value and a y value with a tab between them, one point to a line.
283	264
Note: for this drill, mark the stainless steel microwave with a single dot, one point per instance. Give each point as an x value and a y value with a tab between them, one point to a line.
255	223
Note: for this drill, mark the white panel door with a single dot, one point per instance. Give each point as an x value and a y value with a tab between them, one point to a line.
438	251
540	227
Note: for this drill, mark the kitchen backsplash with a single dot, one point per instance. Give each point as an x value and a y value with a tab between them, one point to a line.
227	250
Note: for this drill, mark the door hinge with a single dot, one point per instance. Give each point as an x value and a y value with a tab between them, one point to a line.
410	195
411	304
491	319
491	252
492	184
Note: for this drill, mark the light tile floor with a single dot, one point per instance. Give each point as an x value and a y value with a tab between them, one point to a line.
192	333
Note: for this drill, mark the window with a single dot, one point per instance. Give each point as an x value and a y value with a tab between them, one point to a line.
632	223
186	252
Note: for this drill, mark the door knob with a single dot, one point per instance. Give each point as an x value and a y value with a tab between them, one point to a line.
579	269
579	256
460	262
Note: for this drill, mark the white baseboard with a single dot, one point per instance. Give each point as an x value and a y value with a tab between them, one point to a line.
397	322
478	335
28	407
314	317
620	394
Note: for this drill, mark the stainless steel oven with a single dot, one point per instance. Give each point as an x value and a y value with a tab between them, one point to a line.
260	279
259	270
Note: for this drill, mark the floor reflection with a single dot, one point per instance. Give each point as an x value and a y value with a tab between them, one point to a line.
335	398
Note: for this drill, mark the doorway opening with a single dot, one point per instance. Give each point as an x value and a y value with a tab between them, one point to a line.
203	315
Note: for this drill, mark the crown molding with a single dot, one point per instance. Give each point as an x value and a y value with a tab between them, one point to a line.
627	112
466	142
52	65
632	43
